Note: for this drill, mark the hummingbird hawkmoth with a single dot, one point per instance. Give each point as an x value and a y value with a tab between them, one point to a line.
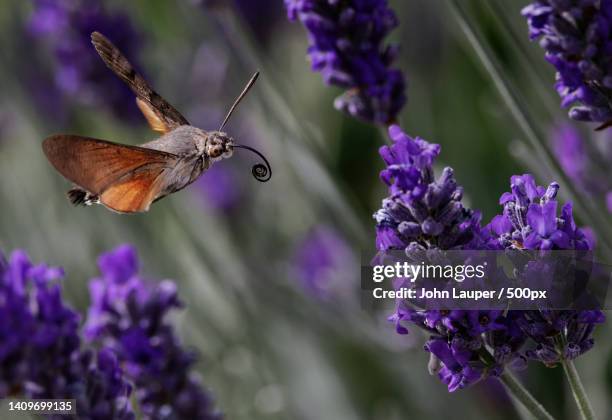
127	179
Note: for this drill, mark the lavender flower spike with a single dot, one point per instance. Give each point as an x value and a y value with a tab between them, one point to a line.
577	38
40	352
346	46
32	316
421	213
530	221
129	316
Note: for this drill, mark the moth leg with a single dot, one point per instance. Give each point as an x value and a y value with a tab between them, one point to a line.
78	196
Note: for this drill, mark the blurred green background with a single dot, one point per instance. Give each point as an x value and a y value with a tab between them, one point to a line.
271	348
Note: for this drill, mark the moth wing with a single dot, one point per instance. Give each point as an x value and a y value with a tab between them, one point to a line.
166	117
156	123
95	164
135	192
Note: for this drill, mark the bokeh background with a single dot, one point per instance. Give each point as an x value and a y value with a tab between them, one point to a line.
269	273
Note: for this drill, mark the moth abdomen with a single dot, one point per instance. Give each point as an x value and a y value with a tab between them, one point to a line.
80	197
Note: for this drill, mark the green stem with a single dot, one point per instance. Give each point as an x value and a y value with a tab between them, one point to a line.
518	391
584	405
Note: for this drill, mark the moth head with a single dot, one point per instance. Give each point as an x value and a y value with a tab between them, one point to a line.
219	145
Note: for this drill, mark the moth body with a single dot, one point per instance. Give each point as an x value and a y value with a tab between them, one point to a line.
187	140
196	150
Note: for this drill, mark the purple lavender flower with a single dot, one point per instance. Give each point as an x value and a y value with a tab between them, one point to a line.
459	365
319	261
346	46
129	316
65	27
40	352
422	213
577	38
32	316
97	384
581	165
531	221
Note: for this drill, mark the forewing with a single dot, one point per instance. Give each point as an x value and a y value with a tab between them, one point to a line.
135	192
96	164
167	117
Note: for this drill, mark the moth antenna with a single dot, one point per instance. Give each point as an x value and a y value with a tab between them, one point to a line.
246	89
261	171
